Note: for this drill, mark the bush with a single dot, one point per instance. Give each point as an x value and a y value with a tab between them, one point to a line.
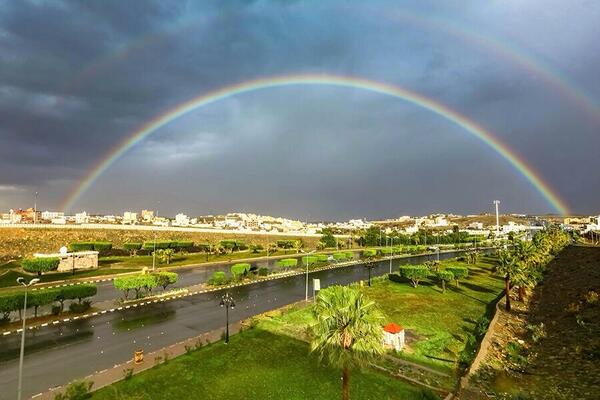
310	260
322	258
416	273
263	271
102	246
160	244
445	276
218	278
256	248
232	245
166	278
40	264
458	272
132	248
342	255
56	310
368	253
81	246
285	244
77	390
287	263
78	308
396	278
182	244
42	297
239	270
136	283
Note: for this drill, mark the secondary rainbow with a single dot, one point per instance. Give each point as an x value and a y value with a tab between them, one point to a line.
205	99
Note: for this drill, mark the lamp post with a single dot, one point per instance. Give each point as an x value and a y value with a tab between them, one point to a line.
369	265
227	302
32	282
391	257
496	202
307	254
154	253
35	208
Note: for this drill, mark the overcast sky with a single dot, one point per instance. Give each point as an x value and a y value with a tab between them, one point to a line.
78	77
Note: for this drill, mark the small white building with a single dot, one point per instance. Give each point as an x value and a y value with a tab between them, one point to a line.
82	218
181	220
393	336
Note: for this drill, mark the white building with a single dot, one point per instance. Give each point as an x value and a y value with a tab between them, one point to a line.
147	216
129	217
181	220
82	218
50	215
393	336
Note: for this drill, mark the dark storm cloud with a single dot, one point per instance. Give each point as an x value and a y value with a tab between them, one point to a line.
78	76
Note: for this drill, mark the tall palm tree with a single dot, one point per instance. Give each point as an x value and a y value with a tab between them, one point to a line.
348	331
507	267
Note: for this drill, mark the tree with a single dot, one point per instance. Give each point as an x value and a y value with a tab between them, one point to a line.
472	257
76	390
459	273
240	270
372	236
40	264
444	276
416	273
507	268
327	238
298	245
166	278
165	255
133	248
348	331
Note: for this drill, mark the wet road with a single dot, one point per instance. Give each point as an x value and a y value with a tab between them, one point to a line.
58	354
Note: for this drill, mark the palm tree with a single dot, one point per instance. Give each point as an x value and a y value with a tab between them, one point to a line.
348	331
508	268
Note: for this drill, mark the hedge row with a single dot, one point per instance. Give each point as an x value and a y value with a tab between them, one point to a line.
233	244
145	282
287	263
343	255
14	301
239	270
40	264
417	273
89	246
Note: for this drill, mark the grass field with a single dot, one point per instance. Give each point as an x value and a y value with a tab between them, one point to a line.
437	324
257	364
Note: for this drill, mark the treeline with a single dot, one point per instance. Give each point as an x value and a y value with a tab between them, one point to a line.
143	284
14	301
375	236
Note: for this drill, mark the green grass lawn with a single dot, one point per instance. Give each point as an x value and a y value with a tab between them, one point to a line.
437	324
9	278
257	364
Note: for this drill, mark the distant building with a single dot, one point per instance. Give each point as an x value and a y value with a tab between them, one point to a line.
181	220
50	215
130	218
147	216
82	218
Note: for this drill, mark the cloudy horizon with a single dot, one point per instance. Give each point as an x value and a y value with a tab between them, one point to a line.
79	77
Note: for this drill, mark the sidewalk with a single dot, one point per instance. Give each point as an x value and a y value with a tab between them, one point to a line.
111	375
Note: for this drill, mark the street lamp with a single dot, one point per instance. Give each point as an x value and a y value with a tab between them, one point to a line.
32	282
227	302
306	257
369	265
391	257
154	254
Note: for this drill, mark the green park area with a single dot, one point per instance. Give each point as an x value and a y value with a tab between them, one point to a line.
272	359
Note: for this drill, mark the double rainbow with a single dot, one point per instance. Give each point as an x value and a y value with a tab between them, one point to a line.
202	100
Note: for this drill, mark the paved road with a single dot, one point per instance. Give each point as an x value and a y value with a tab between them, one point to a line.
58	354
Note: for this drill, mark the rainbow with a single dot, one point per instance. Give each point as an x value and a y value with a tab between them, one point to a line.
318	79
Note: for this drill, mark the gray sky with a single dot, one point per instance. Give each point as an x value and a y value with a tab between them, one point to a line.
78	77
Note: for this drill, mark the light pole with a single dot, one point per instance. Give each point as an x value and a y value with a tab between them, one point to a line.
154	254
496	203
391	257
35	208
306	257
227	302
32	282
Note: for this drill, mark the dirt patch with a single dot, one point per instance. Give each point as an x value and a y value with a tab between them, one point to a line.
561	358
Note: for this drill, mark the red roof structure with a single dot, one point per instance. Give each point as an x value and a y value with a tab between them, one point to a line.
393	328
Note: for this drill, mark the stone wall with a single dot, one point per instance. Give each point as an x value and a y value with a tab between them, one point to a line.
23	242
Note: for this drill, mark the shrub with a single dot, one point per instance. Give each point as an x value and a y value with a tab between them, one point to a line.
256	248
285	244
386	251
263	271
40	264
395	278
39	298
287	263
349	255
166	278
458	272
102	246
232	245
416	273
78	308
340	256
10	302
132	247
218	278
136	283
182	244
77	390
322	258
56	310
310	260
160	244
81	246
239	270
368	253
445	276
204	247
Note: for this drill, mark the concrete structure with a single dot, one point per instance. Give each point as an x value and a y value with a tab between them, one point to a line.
181	220
76	260
130	217
393	336
82	218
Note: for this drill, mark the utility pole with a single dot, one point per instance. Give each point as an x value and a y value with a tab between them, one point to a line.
35	208
496	202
